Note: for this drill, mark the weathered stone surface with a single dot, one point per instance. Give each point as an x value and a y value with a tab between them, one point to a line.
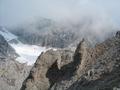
99	68
89	68
5	49
12	73
118	34
49	69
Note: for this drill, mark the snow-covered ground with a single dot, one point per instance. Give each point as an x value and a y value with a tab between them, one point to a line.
28	53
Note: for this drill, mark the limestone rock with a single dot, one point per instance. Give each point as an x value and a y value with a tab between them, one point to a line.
48	69
88	68
12	73
98	70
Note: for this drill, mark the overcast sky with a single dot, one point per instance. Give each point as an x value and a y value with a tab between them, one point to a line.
13	12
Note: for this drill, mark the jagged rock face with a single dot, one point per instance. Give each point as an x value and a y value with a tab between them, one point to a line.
12	74
104	74
55	66
118	34
49	68
47	32
87	69
98	70
53	38
5	49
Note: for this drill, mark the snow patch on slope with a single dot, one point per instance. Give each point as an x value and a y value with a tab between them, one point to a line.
6	34
28	53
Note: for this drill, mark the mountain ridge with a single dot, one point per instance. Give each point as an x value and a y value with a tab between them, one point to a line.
46	32
86	69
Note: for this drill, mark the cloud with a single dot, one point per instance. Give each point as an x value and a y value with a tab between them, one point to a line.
13	12
88	17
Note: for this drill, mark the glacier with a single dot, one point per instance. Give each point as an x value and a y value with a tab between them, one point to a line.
27	53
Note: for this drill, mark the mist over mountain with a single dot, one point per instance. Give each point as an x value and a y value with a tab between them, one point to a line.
48	32
85	68
39	20
14	12
70	45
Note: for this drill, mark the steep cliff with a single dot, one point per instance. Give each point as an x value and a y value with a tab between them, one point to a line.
12	73
88	68
5	49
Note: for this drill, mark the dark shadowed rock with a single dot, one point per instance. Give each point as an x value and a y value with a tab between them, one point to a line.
87	69
49	69
118	34
99	69
12	73
6	50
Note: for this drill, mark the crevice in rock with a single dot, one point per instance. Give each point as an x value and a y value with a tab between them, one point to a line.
53	74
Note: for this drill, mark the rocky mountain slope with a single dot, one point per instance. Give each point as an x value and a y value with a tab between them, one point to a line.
12	73
25	51
47	32
5	49
87	68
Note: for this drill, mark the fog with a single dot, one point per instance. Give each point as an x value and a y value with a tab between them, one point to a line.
13	12
96	16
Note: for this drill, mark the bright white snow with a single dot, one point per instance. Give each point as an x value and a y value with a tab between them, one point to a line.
28	53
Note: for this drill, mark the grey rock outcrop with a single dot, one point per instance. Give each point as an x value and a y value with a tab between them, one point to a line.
49	69
99	69
118	34
12	73
89	68
5	49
